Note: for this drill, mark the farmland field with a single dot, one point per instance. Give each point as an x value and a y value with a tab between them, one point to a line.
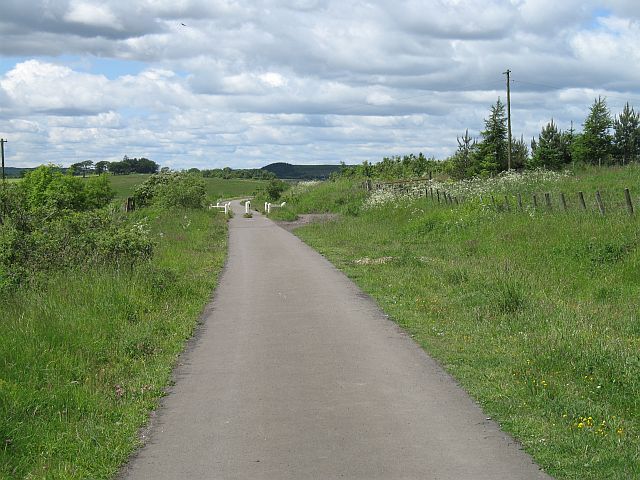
217	188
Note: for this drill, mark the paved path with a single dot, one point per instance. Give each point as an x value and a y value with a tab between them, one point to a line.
298	375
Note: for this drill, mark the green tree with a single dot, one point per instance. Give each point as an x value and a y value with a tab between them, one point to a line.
101	167
492	149
519	153
551	150
594	145
462	162
82	168
626	136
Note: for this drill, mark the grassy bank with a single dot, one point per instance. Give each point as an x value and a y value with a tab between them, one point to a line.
535	313
87	354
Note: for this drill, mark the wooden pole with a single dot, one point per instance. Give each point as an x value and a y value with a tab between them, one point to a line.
582	202
508	74
600	202
519	200
563	201
2	142
627	197
547	200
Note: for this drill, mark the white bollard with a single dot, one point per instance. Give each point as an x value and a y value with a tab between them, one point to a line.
246	206
268	208
265	206
226	209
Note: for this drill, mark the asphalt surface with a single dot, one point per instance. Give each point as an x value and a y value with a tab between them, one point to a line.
296	374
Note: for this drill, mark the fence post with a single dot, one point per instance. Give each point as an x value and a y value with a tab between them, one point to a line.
600	203
547	200
438	194
582	202
563	201
535	201
130	205
519	200
627	197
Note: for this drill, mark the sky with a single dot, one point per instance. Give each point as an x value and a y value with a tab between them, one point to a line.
215	83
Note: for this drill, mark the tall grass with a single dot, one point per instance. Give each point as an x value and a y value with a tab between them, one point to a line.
535	313
344	196
85	356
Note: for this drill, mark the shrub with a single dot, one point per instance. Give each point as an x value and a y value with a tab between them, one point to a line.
46	188
172	189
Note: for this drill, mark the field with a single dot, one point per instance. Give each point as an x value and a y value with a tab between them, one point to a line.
217	188
536	313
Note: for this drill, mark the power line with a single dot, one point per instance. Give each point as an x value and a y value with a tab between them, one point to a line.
557	87
412	97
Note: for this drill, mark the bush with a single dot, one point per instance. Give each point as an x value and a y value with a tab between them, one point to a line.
172	189
274	189
46	188
79	238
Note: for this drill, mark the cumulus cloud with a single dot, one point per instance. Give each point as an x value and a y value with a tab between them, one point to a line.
246	83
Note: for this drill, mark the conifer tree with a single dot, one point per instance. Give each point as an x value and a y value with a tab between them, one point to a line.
594	145
492	150
462	161
626	137
552	148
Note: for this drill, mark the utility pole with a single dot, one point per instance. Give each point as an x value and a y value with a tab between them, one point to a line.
508	74
2	142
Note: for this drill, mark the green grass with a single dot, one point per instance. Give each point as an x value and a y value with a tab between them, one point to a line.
124	184
343	196
217	188
85	356
536	314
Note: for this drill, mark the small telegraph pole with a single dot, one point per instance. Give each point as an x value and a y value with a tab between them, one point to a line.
2	142
508	74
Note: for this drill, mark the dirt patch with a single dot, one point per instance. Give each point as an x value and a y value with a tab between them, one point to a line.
307	218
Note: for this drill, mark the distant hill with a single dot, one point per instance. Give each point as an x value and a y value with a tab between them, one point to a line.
15	172
301	172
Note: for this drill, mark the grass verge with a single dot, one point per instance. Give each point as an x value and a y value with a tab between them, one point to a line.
535	313
87	355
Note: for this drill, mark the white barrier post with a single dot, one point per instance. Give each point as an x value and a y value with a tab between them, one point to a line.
246	206
268	208
226	209
265	206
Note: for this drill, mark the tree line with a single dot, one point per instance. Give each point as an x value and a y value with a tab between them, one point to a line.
604	140
229	173
124	167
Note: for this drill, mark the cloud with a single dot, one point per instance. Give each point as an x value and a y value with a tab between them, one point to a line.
247	83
